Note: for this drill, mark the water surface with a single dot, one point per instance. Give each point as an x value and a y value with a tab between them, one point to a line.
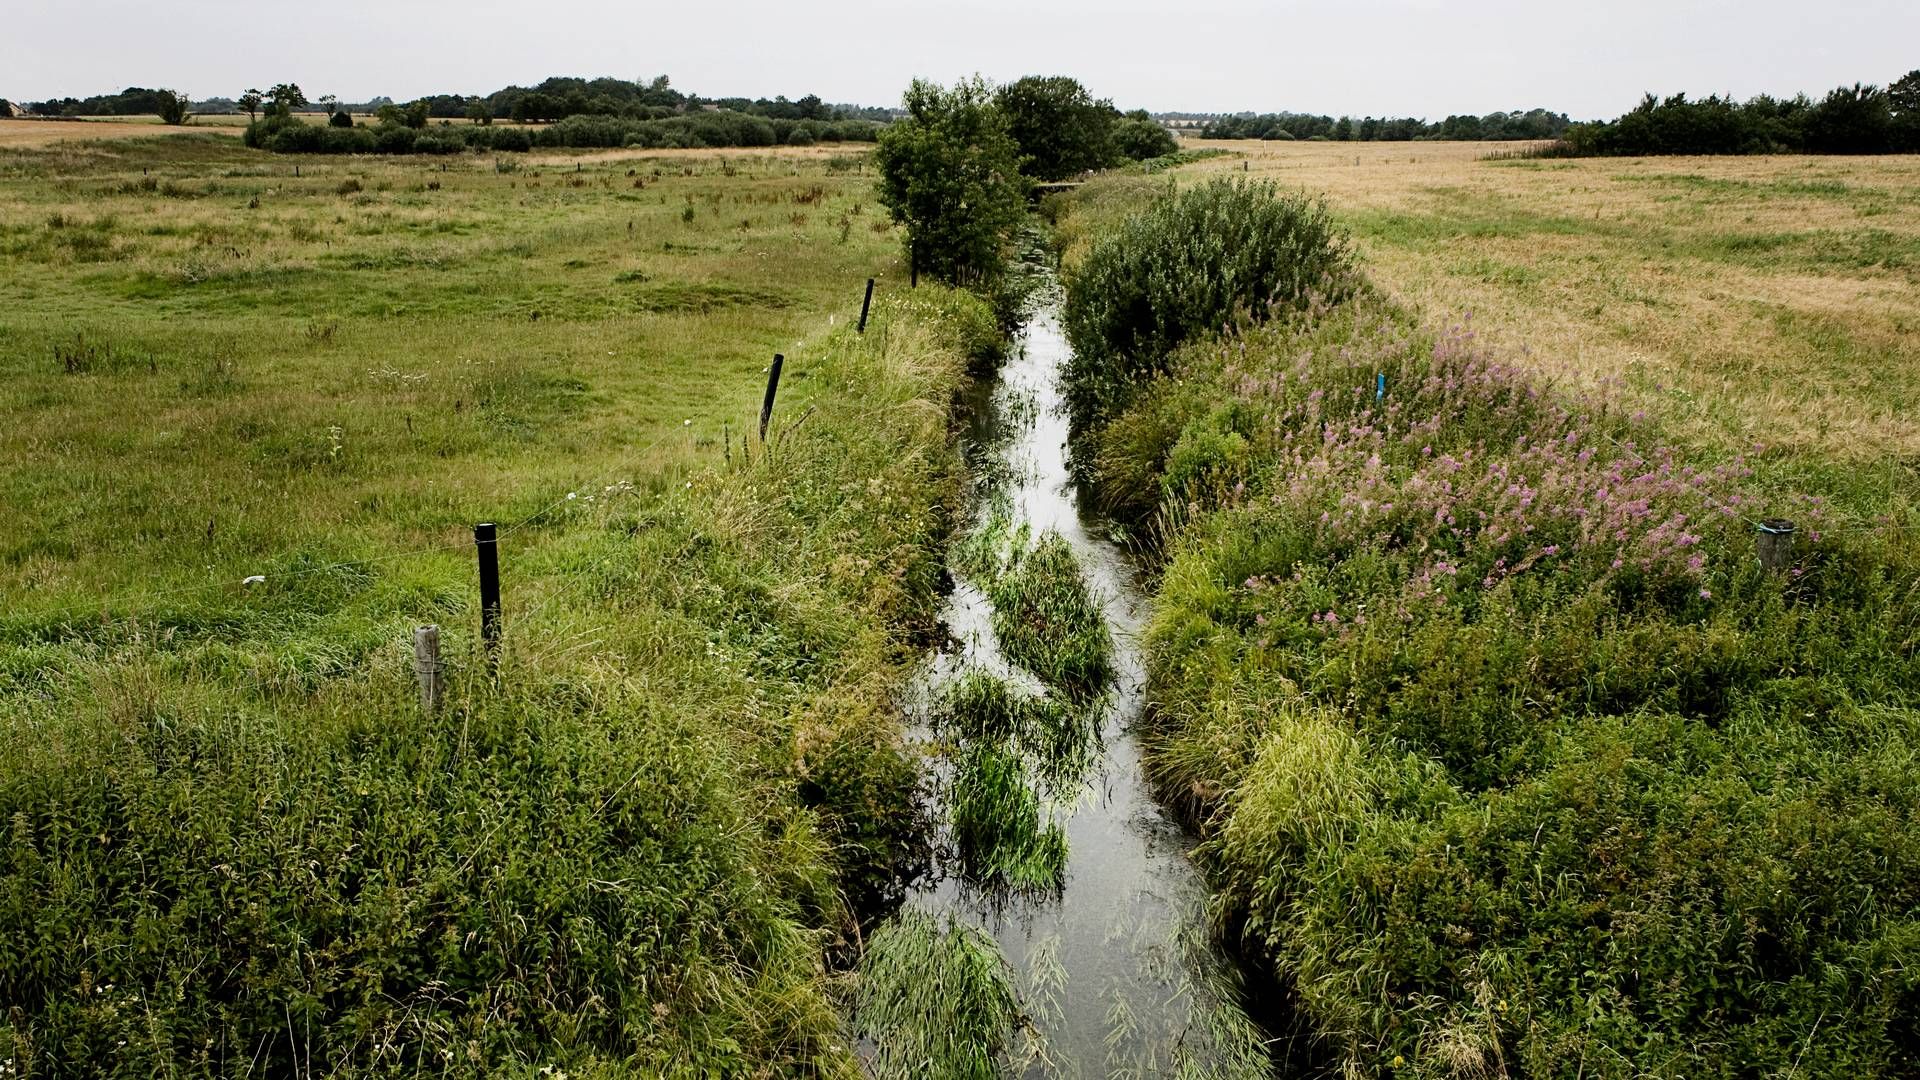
1120	974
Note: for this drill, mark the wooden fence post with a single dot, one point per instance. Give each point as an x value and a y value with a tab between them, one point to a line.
426	666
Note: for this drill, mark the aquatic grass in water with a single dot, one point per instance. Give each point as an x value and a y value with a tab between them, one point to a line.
1044	615
1048	622
936	1000
1002	830
1056	739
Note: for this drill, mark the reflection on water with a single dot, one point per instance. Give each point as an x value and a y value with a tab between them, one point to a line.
1116	966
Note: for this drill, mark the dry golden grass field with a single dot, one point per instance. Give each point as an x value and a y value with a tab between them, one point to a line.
29	134
1751	299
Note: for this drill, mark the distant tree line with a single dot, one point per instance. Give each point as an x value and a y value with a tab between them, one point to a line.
552	100
1854	119
1532	124
133	101
406	130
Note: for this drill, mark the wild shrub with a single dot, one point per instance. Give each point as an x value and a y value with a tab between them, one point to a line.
1142	140
171	106
1190	263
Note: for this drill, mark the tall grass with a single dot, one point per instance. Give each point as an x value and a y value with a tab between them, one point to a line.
936	1000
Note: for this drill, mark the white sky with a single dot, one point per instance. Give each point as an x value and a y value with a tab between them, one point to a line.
1399	57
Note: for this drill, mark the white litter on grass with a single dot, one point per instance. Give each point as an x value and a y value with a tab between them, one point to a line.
257	579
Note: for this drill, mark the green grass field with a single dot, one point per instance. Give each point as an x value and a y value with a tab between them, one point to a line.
235	843
214	363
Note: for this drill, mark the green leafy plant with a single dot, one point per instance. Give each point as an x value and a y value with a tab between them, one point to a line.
950	172
937	1001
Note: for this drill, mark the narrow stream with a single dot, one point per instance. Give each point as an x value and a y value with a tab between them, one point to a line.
1119	972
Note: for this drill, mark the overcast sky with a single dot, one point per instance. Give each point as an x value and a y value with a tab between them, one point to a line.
1400	57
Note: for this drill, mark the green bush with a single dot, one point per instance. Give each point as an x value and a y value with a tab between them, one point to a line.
1140	140
1191	263
171	106
949	172
394	139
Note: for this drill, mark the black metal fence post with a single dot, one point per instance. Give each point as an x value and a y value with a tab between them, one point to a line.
865	305
773	385
486	542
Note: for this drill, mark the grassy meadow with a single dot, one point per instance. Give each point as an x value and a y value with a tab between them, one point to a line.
1771	300
366	358
235	842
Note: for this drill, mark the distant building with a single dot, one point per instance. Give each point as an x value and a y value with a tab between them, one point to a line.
14	111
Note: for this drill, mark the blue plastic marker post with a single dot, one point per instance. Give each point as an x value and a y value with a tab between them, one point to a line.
1380	386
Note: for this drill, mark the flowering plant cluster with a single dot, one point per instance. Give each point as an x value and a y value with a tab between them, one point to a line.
1462	473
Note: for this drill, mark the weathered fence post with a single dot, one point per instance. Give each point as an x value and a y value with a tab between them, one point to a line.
426	666
865	305
1773	542
773	385
486	542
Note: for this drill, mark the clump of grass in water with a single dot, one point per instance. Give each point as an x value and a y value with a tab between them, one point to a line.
1043	613
937	1001
999	824
1056	740
1048	622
